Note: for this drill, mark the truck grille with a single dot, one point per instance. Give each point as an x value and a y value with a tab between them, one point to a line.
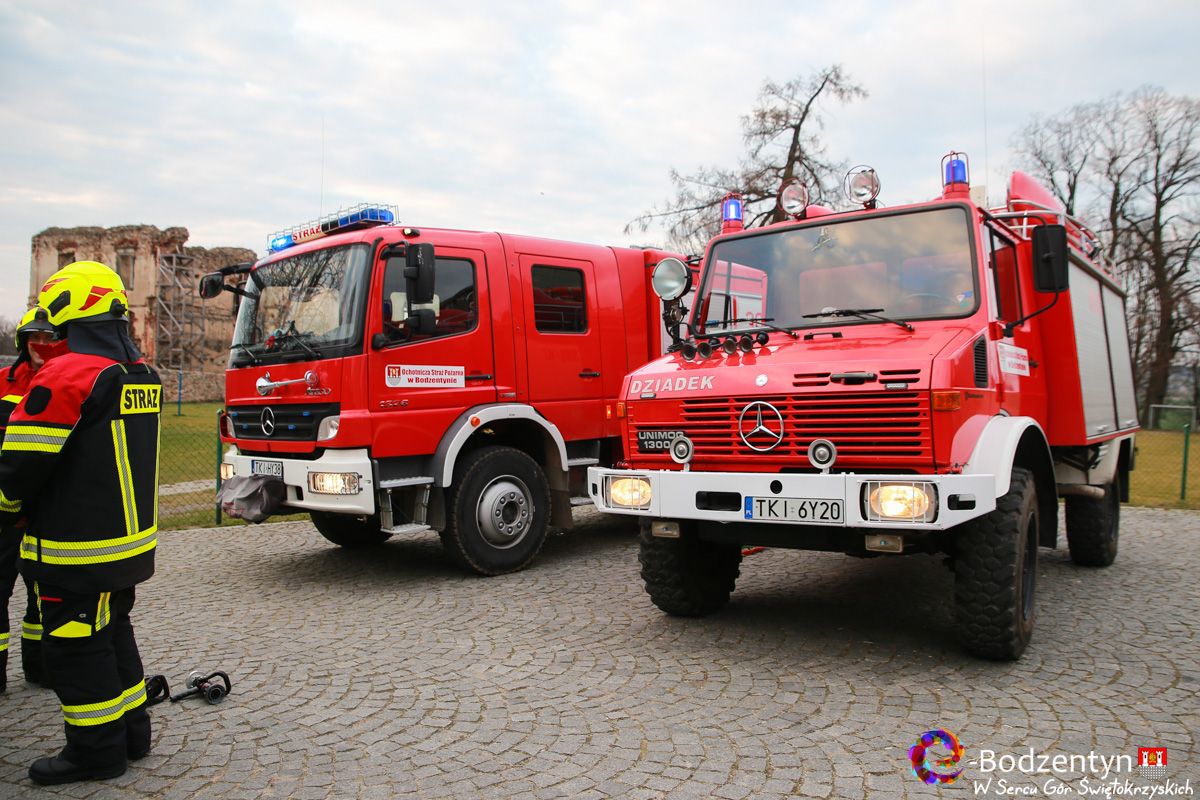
293	422
867	427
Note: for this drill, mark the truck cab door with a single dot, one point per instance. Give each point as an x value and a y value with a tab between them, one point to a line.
420	381
562	339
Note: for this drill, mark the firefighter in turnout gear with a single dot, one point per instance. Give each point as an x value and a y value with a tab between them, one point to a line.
34	328
80	459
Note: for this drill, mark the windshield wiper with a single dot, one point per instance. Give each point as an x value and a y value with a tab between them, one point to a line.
759	322
295	337
248	351
861	313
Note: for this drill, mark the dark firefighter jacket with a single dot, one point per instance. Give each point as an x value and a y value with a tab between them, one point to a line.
80	460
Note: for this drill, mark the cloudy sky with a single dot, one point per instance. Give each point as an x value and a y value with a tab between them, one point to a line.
559	119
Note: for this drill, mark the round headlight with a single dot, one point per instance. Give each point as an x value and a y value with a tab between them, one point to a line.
862	185
671	279
793	197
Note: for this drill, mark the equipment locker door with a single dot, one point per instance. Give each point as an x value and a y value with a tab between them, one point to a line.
419	383
563	343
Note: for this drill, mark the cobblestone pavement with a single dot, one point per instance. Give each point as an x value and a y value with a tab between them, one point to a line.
388	673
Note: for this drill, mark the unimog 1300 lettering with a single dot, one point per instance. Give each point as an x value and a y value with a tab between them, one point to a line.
393	380
918	379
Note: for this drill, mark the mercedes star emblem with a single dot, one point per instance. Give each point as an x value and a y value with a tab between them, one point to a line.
267	421
761	422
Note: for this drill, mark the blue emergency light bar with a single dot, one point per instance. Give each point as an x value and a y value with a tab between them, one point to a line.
360	216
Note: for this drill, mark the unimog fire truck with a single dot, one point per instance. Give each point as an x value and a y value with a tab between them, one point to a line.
392	380
925	378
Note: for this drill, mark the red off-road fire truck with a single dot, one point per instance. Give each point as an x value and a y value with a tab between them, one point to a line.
925	378
391	380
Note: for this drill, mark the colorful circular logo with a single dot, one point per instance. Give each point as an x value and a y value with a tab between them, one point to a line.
921	764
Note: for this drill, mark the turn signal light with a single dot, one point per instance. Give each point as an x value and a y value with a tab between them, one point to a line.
947	401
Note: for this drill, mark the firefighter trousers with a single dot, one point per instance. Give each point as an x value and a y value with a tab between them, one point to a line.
31	624
94	667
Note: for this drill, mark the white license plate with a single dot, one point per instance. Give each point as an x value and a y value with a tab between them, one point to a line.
272	468
796	509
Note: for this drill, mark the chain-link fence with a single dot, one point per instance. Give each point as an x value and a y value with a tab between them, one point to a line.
1162	475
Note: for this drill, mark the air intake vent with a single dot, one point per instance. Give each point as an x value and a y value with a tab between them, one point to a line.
810	379
981	367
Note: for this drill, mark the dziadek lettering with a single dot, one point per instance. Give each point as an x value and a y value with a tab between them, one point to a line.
694	383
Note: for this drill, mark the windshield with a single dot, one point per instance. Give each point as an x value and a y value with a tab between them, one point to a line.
914	265
303	308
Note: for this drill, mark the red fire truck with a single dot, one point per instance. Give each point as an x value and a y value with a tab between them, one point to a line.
391	380
925	378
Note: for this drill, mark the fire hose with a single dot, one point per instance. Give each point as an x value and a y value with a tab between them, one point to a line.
198	684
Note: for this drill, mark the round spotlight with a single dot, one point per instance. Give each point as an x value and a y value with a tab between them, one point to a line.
862	185
822	453
681	450
688	351
745	343
762	338
729	345
671	279
793	198
704	349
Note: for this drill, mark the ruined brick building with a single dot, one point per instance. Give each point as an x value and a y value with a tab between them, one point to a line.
173	328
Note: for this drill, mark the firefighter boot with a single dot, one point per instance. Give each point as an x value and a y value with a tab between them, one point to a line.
56	769
3	671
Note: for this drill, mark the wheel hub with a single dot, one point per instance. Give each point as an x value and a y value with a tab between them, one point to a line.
505	511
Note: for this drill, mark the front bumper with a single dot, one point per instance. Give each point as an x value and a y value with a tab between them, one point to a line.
678	495
296	472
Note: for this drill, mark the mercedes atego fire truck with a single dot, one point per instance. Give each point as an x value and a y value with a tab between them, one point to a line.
392	380
925	378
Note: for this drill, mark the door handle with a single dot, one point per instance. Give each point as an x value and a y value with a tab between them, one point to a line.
587	373
478	377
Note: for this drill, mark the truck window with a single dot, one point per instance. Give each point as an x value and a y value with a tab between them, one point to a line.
559	304
454	304
1002	261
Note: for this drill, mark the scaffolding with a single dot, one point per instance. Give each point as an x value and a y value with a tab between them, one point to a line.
179	338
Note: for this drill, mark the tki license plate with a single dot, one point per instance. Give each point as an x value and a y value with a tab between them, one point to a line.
796	509
272	468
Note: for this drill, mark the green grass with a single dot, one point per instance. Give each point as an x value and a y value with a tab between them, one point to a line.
1158	470
189	443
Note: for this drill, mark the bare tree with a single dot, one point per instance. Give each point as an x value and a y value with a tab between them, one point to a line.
782	136
1133	162
8	329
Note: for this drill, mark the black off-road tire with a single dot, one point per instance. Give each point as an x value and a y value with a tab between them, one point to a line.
995	565
498	511
688	577
1094	526
349	531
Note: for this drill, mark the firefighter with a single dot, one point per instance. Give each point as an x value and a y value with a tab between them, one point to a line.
81	458
34	329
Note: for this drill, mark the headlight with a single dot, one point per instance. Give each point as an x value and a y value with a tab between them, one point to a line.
629	492
227	471
328	428
335	482
901	502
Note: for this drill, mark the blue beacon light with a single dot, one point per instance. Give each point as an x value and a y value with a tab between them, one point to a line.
956	171
731	210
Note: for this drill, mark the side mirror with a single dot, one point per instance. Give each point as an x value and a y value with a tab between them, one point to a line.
211	285
418	272
1050	258
420	320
